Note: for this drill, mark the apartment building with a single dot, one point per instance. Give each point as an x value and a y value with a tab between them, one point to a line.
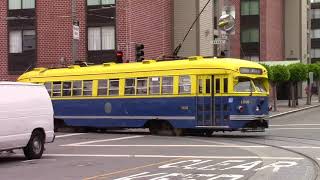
39	33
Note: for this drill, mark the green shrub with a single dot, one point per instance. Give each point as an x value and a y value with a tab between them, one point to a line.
315	68
270	72
280	73
298	72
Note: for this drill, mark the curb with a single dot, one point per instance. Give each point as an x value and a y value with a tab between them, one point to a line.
293	111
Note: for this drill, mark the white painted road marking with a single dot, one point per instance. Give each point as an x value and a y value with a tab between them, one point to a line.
286	125
68	135
103	140
274	129
182	145
171	156
161	145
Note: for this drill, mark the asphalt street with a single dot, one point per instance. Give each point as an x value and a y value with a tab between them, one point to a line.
289	149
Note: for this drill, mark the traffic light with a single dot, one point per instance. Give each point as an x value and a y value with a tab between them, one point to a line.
119	55
139	52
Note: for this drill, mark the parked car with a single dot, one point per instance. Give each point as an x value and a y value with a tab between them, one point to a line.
26	118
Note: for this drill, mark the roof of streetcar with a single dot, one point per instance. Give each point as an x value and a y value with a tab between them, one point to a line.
194	62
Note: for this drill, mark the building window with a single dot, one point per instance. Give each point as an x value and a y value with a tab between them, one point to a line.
315	53
21	4
252	58
315	33
250	35
101	38
315	13
21	41
249	7
100	2
15	41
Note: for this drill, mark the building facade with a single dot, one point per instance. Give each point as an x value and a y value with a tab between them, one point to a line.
33	35
315	30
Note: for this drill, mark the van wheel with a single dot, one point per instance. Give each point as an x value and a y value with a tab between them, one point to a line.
35	146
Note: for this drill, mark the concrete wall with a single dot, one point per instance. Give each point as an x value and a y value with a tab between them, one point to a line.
184	14
292	29
206	29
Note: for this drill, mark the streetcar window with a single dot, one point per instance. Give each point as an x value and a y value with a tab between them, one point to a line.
56	89
200	86
208	84
167	85
113	87
130	86
102	87
77	88
87	88
154	85
48	86
66	91
243	85
258	83
217	85
184	85
142	86
225	85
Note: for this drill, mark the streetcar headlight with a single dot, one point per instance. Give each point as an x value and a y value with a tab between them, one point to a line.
257	108
270	108
240	108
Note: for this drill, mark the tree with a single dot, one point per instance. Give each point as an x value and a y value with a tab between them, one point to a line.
298	73
278	74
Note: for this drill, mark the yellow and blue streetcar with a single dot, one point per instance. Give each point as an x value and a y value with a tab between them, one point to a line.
207	94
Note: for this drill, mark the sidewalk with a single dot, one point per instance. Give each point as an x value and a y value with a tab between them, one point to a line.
283	109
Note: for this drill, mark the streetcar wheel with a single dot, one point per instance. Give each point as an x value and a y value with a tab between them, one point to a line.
207	132
166	129
154	128
35	146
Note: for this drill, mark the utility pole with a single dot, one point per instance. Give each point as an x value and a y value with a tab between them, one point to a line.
228	11
75	25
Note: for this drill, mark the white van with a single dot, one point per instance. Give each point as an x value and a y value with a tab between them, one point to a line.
26	118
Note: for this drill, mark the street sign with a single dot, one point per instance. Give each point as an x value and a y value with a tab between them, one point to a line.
76	32
218	41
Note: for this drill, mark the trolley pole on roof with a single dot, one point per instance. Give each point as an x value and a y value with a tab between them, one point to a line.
76	37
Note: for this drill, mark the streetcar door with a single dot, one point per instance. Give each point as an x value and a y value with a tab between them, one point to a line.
221	100
205	101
